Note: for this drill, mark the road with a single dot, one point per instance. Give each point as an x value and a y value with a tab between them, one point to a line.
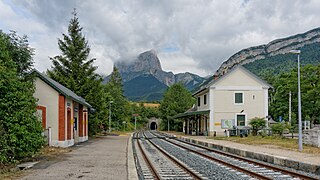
102	158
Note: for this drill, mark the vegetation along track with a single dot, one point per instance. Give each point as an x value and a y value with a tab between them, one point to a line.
153	163
253	168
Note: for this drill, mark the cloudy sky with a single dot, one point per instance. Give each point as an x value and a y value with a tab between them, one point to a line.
188	35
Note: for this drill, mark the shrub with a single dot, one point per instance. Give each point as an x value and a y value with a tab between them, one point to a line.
278	129
257	124
20	130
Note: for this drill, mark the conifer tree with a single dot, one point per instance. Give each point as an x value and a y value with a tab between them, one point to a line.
120	106
75	70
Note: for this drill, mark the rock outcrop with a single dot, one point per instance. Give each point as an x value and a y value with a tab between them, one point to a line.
149	63
279	46
144	79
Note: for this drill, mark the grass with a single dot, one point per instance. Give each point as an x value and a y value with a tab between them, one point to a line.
9	172
271	141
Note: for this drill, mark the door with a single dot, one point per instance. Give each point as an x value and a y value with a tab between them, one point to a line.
68	124
241	120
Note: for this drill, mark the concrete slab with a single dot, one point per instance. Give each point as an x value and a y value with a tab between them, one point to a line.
132	170
102	158
27	165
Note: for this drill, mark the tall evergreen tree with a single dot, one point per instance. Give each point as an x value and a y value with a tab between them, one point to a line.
75	70
20	129
120	106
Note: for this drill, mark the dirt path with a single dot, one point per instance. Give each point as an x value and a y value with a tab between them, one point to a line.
105	158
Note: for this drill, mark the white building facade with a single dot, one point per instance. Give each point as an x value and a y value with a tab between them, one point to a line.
231	100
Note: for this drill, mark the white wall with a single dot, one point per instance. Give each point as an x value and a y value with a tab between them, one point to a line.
203	106
49	98
222	106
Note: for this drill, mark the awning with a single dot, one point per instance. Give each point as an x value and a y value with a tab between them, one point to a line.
190	113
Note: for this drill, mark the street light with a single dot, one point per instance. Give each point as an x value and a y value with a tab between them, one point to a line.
110	102
299	99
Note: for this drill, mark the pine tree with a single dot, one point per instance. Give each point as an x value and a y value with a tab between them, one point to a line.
76	71
73	68
120	106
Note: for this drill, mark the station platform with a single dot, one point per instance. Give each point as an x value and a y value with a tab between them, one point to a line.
271	154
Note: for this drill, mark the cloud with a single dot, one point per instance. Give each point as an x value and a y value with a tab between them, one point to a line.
189	35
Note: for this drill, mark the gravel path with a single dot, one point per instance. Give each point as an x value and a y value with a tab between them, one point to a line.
103	158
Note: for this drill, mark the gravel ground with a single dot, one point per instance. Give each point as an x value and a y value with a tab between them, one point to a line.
103	158
206	168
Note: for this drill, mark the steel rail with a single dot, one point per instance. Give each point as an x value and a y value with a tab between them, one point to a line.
193	174
148	161
285	171
254	174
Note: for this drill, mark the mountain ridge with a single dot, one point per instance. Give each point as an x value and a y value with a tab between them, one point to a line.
273	48
149	63
141	69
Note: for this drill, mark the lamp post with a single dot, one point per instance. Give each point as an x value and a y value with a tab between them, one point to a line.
110	102
299	100
135	121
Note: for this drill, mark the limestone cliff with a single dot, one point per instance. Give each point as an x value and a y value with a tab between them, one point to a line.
276	47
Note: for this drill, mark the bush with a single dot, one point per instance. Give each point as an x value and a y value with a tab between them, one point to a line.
278	129
20	129
257	124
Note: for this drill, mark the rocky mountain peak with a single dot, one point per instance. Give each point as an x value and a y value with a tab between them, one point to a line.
144	79
147	62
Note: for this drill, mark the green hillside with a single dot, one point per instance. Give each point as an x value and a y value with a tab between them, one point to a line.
144	88
272	65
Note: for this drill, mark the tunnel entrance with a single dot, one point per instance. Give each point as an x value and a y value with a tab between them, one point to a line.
153	126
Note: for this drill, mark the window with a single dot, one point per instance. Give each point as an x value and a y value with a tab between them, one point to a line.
241	120
199	101
238	98
205	99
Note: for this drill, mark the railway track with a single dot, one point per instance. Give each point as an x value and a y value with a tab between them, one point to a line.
154	163
250	167
205	168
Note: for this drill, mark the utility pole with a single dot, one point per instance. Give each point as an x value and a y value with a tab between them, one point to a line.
290	108
298	52
110	102
135	123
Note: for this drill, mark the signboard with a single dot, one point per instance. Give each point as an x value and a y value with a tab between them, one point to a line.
217	124
227	123
135	114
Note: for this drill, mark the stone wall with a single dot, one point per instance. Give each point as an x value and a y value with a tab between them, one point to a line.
312	136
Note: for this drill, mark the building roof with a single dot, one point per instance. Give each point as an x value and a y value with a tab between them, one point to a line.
61	89
213	81
185	114
190	112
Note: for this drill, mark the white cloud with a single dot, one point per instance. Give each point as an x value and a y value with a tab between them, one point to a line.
190	35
